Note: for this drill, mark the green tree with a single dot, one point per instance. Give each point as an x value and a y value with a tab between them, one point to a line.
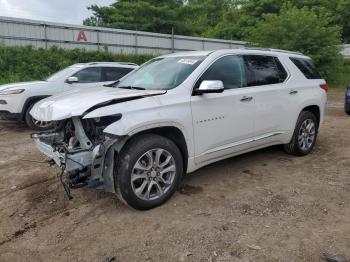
301	30
343	18
145	15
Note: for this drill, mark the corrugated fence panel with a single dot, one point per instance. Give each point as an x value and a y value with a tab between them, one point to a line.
41	34
187	44
15	42
20	32
216	45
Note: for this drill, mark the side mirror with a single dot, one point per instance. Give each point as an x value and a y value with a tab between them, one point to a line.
72	79
212	86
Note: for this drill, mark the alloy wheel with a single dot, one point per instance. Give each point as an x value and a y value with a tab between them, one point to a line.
307	134
153	174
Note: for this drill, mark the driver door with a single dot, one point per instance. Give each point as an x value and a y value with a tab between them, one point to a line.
223	122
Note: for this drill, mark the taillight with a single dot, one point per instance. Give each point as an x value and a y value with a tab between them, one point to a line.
324	87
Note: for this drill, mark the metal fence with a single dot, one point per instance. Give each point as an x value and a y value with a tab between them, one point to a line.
345	51
40	34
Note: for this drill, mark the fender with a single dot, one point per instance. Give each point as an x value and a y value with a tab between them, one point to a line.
148	113
29	101
130	126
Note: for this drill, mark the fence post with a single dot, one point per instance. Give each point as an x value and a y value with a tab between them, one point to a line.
98	40
172	40
136	43
45	35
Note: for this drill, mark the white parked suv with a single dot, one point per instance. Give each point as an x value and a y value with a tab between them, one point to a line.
16	100
178	113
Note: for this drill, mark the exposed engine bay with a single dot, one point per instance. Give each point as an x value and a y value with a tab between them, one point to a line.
83	151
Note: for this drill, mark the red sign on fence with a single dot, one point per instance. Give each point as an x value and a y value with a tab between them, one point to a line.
82	37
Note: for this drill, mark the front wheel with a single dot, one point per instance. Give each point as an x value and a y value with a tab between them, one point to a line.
36	124
149	171
305	135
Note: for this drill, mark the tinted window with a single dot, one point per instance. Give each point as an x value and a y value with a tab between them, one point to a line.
264	70
306	67
229	70
89	75
114	73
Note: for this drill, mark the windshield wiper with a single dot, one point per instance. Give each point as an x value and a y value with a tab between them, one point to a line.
132	87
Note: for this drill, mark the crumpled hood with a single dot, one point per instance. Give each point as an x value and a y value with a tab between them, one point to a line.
77	102
23	85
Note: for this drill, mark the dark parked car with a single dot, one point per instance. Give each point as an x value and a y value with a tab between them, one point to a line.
347	100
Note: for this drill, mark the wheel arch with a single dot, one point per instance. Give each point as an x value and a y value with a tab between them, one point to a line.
29	101
172	133
315	109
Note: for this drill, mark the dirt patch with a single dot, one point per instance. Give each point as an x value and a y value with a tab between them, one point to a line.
262	206
189	190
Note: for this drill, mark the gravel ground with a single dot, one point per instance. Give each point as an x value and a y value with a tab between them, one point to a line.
262	206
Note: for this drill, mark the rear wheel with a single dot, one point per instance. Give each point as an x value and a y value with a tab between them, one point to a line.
305	135
36	124
149	171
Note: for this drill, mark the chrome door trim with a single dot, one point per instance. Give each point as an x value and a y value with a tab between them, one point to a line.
243	142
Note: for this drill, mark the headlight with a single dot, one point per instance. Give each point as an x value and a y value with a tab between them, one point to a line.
12	92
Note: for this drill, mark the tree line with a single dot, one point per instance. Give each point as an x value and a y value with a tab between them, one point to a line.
313	27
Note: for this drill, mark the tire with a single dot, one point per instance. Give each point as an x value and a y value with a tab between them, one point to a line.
33	124
347	109
135	163
303	146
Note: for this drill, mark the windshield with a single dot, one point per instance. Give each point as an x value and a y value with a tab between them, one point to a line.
61	74
162	73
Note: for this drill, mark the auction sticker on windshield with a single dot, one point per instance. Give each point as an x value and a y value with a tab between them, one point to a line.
188	61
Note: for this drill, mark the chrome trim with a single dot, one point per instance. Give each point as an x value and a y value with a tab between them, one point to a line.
243	142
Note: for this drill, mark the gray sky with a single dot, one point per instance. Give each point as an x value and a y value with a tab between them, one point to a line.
62	11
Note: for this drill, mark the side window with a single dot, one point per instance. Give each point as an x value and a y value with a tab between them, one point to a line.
264	70
89	75
114	73
306	67
229	69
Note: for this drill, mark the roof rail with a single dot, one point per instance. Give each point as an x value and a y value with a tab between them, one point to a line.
121	63
273	50
286	51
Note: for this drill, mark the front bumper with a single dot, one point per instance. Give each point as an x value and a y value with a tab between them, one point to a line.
6	115
92	168
71	161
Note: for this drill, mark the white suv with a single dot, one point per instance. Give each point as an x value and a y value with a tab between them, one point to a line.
16	100
178	113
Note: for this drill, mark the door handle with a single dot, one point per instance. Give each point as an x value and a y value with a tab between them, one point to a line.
293	92
246	99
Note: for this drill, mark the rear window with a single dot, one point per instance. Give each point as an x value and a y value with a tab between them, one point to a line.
306	67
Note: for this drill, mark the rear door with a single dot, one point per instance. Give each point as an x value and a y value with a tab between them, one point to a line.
267	76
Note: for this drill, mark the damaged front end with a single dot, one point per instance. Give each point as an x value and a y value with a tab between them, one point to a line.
83	151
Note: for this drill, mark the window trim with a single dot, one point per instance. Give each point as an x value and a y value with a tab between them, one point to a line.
193	93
